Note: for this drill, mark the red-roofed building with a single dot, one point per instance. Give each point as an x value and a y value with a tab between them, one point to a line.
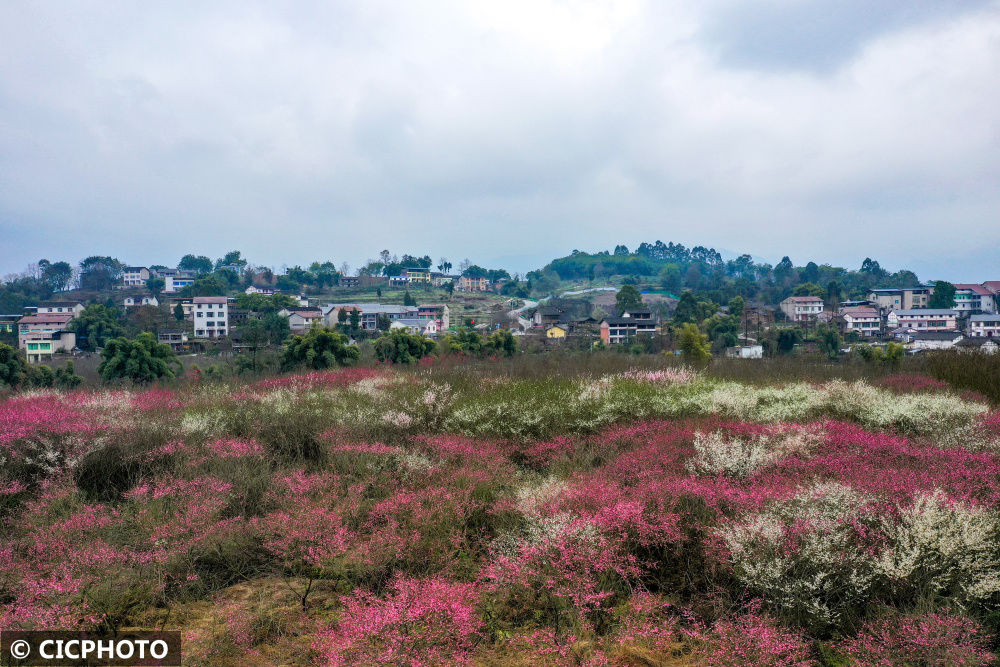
972	299
42	335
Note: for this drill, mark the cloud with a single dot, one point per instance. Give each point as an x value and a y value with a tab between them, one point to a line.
301	131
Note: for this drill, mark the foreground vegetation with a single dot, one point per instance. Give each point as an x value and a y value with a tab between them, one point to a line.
498	513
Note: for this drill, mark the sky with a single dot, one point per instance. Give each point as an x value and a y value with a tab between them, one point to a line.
505	132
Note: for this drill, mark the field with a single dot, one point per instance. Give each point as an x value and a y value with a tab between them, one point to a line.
497	513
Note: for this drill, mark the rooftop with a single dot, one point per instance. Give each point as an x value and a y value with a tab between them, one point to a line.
910	312
210	299
974	288
47	318
936	335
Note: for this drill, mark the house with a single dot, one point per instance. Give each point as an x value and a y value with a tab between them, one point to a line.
135	276
303	320
745	352
399	281
546	316
266	291
471	284
557	331
985	345
923	319
175	338
865	320
44	334
211	316
349	281
131	301
442	279
438	312
984	326
60	307
175	284
618	330
972	299
418	275
934	340
8	323
802	308
369	313
906	298
418	327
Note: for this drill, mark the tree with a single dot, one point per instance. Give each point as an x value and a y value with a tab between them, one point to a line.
829	341
943	295
809	289
13	367
670	278
140	359
693	343
231	258
210	285
155	285
95	325
57	276
199	264
407	299
66	377
400	347
628	297
100	273
621	250
179	312
503	342
319	348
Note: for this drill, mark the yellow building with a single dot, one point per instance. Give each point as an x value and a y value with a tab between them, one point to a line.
418	275
555	331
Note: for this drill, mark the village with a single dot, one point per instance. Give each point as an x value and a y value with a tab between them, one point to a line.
435	303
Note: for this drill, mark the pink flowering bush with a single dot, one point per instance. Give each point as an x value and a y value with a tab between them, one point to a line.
927	639
752	640
418	622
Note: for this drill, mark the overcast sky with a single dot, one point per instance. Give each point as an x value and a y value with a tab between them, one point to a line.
507	132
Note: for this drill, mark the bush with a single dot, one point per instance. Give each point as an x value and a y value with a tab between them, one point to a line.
400	347
319	349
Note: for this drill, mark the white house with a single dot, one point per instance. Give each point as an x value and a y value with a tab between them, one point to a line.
73	308
303	320
131	301
211	316
266	291
972	299
135	276
923	319
427	328
984	326
935	340
802	308
866	321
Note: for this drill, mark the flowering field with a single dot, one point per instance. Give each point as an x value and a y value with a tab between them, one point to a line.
647	517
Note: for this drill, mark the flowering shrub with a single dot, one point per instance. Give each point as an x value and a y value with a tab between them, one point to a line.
752	640
419	622
940	549
929	639
809	555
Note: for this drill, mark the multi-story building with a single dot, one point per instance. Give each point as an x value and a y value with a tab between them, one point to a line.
211	316
471	284
60	308
802	308
44	334
369	313
135	276
438	312
984	326
300	321
905	298
865	320
923	319
419	327
418	275
350	281
174	279
618	330
972	299
175	338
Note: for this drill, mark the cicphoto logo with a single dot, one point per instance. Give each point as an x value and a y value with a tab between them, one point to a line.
27	648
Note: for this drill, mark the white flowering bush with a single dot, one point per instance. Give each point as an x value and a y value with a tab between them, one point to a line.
943	550
719	454
804	555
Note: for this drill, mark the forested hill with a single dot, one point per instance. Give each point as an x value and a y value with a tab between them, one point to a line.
674	267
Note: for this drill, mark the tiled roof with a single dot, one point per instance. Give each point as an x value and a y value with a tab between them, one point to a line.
211	299
47	318
974	288
911	312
